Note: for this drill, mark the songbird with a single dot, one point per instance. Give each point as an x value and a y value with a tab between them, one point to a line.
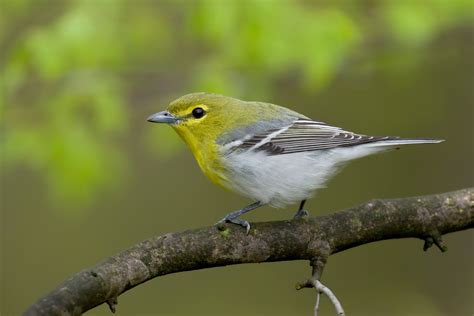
268	153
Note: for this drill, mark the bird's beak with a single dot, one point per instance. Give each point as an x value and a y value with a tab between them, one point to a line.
163	117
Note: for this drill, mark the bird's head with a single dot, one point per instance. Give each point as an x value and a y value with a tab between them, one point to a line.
205	118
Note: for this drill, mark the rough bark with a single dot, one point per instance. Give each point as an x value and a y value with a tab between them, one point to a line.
425	217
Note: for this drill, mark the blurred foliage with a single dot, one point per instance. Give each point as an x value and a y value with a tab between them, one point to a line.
78	79
73	72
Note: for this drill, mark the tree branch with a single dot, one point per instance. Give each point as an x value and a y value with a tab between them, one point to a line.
313	239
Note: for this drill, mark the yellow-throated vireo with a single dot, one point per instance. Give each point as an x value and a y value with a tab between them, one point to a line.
266	152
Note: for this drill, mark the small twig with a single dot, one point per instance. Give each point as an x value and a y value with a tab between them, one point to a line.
436	239
112	304
428	243
318	264
321	288
313	282
316	306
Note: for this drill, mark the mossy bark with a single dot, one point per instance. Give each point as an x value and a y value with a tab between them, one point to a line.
425	217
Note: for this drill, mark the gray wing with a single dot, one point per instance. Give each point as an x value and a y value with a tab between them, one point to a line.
303	135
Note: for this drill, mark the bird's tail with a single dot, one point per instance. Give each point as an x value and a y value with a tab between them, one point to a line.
379	145
396	141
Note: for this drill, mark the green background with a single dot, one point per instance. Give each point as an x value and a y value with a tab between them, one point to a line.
84	176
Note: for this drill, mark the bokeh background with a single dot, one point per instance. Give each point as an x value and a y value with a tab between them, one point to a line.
84	176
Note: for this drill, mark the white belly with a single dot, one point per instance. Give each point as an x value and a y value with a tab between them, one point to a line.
285	179
279	180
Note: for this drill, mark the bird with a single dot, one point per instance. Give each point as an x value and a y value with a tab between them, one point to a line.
268	153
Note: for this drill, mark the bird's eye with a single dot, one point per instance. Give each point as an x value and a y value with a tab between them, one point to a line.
198	112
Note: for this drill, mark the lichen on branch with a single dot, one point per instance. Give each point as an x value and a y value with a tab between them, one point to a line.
424	217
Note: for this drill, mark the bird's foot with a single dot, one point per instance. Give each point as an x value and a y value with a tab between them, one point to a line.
237	221
233	217
301	213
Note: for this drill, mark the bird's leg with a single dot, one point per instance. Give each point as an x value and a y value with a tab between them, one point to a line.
301	212
233	217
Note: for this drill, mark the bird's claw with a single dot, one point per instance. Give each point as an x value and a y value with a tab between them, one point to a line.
237	221
301	214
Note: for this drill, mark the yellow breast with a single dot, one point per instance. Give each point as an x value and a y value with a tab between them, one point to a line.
207	155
